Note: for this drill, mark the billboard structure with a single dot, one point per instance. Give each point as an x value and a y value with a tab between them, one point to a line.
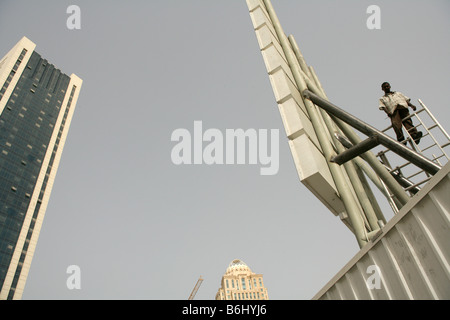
404	258
317	136
313	172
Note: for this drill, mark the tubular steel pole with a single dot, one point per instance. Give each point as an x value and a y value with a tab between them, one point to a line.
358	163
350	204
363	166
388	180
385	140
373	200
392	185
358	181
356	150
360	191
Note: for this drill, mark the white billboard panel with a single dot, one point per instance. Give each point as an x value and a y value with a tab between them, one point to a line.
308	157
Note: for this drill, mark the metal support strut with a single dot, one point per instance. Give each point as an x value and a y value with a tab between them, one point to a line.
365	128
356	150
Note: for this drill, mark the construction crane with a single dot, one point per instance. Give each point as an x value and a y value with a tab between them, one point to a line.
197	286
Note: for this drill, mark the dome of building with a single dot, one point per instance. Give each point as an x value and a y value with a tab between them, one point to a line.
238	265
240	283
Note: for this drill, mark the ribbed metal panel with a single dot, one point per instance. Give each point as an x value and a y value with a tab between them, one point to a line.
411	257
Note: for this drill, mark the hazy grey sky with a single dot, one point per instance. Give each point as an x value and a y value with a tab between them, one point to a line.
140	227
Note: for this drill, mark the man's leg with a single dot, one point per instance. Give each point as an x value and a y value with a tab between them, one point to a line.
409	126
396	121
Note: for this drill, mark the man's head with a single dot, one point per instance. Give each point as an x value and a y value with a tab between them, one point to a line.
386	87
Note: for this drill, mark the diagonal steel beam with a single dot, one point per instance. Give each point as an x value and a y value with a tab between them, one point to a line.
356	150
365	128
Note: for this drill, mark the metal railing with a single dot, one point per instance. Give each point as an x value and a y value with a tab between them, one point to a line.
433	145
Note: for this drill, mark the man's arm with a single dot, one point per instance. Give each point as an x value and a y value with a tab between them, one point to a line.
411	105
383	107
408	100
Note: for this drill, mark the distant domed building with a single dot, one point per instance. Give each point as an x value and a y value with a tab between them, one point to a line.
240	283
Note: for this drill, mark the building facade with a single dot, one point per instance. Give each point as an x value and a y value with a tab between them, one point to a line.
240	283
37	102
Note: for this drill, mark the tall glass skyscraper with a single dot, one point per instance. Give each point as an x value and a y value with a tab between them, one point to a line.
37	102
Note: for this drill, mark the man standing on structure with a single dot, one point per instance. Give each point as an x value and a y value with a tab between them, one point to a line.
395	104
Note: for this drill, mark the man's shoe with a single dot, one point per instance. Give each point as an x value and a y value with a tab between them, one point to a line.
418	136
